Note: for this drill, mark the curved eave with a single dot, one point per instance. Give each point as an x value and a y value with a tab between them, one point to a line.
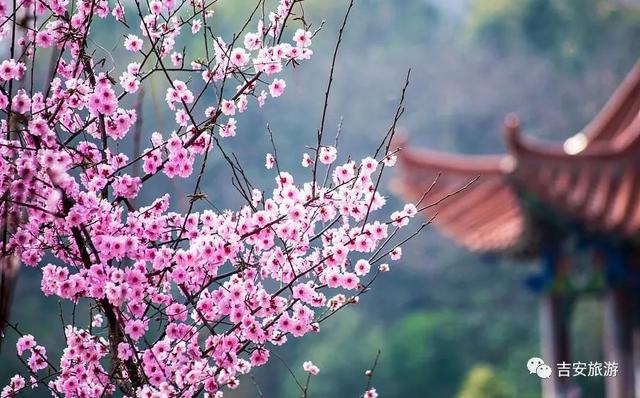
440	162
618	111
610	126
472	218
598	188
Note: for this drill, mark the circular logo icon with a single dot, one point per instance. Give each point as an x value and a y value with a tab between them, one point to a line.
533	363
543	371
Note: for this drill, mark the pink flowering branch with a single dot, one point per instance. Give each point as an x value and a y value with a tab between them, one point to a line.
181	303
371	392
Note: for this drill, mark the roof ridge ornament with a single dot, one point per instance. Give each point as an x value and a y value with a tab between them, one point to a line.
575	144
512	131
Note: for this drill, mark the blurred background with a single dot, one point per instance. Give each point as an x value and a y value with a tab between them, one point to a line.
448	323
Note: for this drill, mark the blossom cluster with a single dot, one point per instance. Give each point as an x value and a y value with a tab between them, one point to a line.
184	304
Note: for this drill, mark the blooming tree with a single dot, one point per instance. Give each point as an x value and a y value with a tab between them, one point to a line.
181	304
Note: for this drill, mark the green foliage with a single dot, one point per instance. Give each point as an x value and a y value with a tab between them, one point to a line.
483	382
570	32
344	349
421	356
495	21
425	353
422	350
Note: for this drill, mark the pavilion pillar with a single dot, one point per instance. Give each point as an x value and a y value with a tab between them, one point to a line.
556	348
634	297
636	359
619	344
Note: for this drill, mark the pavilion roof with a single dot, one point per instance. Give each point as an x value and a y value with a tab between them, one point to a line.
592	177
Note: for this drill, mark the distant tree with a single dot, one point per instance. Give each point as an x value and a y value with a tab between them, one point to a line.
571	32
483	382
423	356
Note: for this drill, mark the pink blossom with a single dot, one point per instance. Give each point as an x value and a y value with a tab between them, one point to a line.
135	328
10	69
302	38
228	108
371	393
129	82
242	103
118	12
21	102
16	384
252	41
229	129
310	368
24	343
124	351
155	7
369	165
328	154
44	39
396	253
196	25
97	320
362	267
306	160
4	101
259	357
349	281
390	160
277	87
127	186
270	161
133	43
239	57
176	58
262	98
